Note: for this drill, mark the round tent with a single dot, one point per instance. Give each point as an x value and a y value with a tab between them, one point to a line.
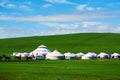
93	54
89	55
18	54
80	54
103	55
42	50
115	55
55	55
24	54
69	55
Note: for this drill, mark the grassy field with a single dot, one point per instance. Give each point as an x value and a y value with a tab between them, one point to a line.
84	42
61	70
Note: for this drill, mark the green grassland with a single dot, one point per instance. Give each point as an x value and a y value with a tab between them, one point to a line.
84	42
61	70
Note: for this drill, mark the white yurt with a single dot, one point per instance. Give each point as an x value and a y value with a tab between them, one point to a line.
24	54
69	55
20	54
93	54
14	54
115	55
17	54
103	55
79	55
89	55
55	55
42	50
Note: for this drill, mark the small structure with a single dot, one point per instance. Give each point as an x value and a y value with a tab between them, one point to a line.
79	55
69	55
115	55
93	54
103	55
55	55
17	54
39	57
24	54
89	55
41	51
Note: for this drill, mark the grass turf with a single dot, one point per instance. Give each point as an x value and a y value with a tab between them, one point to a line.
61	70
84	42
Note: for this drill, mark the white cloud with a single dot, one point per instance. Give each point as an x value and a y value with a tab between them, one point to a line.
2	30
7	4
116	29
99	8
81	7
103	27
11	5
66	28
90	8
13	32
97	26
60	1
24	7
88	24
46	5
86	7
3	2
52	18
66	17
58	28
63	24
15	5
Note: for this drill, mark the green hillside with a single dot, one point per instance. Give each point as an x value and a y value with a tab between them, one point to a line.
83	42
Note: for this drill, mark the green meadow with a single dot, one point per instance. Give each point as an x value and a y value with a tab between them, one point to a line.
83	42
62	69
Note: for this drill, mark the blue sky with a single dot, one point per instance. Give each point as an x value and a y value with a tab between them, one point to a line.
21	18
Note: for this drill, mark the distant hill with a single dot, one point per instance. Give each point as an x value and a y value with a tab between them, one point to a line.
83	42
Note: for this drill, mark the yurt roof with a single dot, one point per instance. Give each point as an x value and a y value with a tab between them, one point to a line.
115	54
80	53
69	54
42	46
102	54
55	53
41	49
88	55
91	53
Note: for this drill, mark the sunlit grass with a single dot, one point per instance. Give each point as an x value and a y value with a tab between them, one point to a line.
61	70
84	42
